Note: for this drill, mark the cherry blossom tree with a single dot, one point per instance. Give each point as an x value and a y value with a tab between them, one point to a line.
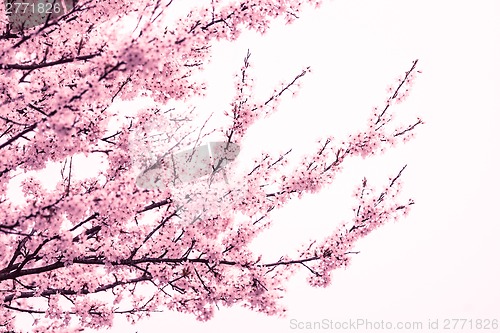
90	250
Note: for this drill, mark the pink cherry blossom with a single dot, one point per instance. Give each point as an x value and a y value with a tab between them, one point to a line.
96	248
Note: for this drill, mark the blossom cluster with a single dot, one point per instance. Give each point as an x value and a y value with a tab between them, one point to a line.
97	247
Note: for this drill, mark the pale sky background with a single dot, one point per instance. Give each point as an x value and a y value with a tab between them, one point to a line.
441	262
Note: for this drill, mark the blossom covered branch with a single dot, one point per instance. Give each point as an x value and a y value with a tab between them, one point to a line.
93	248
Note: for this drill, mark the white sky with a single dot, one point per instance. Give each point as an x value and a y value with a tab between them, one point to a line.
442	260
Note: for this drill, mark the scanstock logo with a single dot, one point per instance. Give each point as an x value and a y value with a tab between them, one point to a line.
195	163
198	178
